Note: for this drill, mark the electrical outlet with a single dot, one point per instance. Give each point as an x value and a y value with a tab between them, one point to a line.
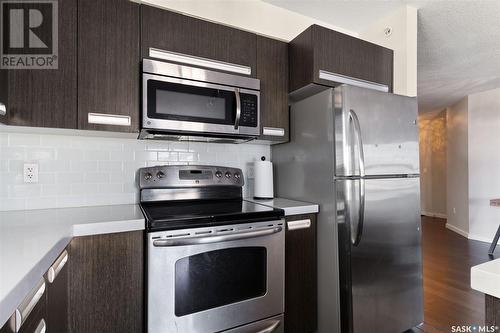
454	210
31	173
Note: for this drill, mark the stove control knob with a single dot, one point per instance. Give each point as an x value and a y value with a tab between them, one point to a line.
228	174
160	175
218	174
237	175
148	176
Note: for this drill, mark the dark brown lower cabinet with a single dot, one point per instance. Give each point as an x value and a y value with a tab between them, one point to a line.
492	311
300	277
106	283
57	298
36	319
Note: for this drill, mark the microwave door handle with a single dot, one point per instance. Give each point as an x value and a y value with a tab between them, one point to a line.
238	108
216	238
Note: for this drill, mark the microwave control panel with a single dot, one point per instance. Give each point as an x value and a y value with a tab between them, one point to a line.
249	110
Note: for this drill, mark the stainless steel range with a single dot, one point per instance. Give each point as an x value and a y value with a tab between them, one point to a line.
215	261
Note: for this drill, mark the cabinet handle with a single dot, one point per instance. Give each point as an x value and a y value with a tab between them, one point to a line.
57	266
343	79
41	328
299	224
3	109
109	119
273	131
27	305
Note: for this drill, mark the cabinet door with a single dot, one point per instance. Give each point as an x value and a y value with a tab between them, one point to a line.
106	283
272	70
4	91
47	97
346	55
174	32
300	275
108	63
57	295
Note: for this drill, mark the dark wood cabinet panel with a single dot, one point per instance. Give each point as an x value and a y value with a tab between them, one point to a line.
166	30
272	70
108	62
106	288
4	93
492	311
57	301
319	48
47	97
300	277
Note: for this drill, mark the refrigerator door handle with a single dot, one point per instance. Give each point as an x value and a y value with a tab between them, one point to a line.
359	141
356	239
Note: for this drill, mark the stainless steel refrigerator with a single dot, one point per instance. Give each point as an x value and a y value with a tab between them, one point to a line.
355	152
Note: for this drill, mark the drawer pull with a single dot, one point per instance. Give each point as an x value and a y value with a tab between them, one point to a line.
299	224
343	79
273	131
57	266
41	328
27	305
109	119
3	109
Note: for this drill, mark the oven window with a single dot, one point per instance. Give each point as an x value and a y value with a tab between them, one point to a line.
212	279
167	100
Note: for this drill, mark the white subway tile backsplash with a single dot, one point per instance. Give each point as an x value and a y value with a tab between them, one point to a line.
80	171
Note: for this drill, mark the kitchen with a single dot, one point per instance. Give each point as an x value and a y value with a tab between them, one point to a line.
171	173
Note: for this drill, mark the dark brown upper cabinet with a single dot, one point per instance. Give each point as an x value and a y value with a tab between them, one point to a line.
45	97
272	70
319	48
165	30
109	63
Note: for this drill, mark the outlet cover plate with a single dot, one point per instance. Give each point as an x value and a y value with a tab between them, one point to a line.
31	173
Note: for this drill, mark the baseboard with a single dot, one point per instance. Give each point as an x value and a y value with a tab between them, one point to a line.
457	230
439	215
482	239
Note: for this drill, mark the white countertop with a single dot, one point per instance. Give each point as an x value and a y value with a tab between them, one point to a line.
31	240
486	278
291	207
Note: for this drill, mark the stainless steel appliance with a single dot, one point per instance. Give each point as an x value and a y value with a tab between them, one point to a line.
215	262
197	104
355	152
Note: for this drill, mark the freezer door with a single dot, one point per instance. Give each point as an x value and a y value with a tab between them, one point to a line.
380	255
387	130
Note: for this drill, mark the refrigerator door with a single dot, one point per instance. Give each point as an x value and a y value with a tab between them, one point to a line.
380	254
386	127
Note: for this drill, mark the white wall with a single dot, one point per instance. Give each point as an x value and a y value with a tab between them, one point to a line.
251	15
269	20
403	41
484	164
457	168
432	129
88	171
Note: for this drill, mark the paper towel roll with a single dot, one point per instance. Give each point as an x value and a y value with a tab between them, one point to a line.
263	186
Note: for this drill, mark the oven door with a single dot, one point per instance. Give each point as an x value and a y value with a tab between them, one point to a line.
215	279
187	106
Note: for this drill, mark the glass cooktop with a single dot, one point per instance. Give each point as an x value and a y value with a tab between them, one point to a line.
169	215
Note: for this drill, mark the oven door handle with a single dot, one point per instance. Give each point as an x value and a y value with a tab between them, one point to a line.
270	328
217	238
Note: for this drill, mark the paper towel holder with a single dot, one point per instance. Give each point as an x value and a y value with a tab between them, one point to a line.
263	184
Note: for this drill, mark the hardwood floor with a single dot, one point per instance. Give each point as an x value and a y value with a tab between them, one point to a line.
447	258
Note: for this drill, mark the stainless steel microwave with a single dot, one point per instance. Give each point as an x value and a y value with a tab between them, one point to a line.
181	101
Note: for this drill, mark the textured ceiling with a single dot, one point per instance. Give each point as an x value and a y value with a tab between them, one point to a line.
458	41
